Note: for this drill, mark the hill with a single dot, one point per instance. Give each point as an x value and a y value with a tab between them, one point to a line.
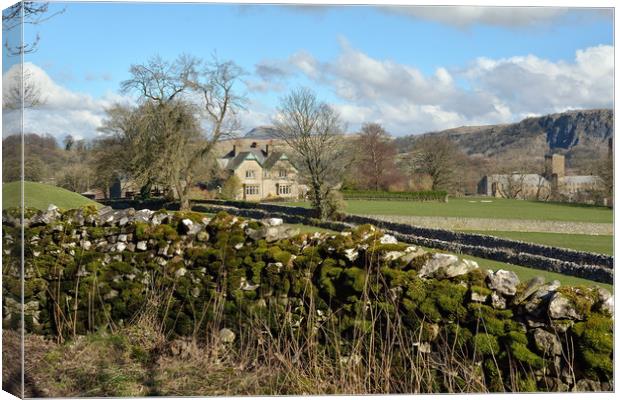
39	196
262	132
577	134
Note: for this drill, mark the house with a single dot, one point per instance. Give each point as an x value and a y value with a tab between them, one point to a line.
553	183
263	173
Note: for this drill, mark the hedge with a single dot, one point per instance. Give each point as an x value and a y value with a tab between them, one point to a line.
427	195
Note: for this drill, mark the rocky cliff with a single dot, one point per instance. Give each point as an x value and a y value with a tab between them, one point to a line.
585	131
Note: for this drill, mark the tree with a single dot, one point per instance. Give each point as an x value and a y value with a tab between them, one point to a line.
375	161
22	90
167	142
313	130
68	141
435	156
230	188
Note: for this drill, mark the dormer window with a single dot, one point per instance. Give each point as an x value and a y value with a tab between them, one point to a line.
282	173
250	174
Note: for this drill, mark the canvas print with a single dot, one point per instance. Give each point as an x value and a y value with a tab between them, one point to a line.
220	199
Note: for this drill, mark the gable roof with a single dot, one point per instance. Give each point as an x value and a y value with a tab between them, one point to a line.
266	162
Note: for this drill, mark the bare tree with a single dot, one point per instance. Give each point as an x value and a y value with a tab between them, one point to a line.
26	13
313	130
174	95
435	156
376	157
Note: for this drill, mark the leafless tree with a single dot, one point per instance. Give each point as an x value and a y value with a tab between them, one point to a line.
435	156
174	96
375	159
14	98
313	130
26	13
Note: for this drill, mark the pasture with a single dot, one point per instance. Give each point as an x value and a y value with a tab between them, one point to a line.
481	207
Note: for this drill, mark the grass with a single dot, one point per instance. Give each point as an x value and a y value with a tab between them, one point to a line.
40	196
472	207
603	244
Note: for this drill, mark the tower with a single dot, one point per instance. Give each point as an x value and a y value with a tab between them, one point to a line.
554	165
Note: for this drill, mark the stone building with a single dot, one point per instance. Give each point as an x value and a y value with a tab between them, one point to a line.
554	183
264	173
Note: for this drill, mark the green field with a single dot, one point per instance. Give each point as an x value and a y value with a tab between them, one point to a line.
603	244
473	208
40	196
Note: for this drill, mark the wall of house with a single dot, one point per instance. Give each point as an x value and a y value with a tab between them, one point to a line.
272	181
250	165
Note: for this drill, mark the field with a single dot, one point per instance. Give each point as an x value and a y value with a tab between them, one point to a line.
603	244
40	196
482	208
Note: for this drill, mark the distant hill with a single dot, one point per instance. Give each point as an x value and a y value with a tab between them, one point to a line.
40	196
262	132
581	133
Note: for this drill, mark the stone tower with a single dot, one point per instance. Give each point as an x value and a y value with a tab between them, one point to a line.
554	165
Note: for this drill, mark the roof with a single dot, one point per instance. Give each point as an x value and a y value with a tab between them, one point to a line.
266	162
528	179
581	179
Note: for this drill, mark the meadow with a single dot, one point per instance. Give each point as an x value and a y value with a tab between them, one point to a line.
481	207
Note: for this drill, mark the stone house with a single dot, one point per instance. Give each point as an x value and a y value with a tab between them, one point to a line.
263	173
553	183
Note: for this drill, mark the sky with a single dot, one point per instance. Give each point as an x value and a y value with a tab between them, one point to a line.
412	69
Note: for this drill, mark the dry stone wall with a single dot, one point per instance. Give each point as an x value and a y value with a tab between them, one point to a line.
87	270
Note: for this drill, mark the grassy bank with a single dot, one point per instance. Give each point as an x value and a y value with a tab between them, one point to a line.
40	196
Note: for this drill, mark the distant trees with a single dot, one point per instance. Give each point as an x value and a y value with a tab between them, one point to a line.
375	160
437	157
313	130
165	139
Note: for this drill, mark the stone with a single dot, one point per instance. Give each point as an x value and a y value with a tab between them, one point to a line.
605	300
388	239
119	247
180	272
462	268
498	301
86	245
437	262
141	245
504	282
351	254
479	298
110	295
186	226
546	342
246	286
202	236
273	221
131	247
143	215
532	287
554	384
227	336
560	307
122	238
587	385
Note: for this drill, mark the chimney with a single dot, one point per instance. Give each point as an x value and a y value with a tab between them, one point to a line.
267	150
234	151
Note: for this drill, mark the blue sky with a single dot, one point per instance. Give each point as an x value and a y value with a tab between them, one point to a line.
412	69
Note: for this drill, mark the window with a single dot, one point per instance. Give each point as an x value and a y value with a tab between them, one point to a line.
250	174
284	189
282	173
251	189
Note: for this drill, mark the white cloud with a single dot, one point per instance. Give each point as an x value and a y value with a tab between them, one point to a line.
62	111
512	17
406	100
